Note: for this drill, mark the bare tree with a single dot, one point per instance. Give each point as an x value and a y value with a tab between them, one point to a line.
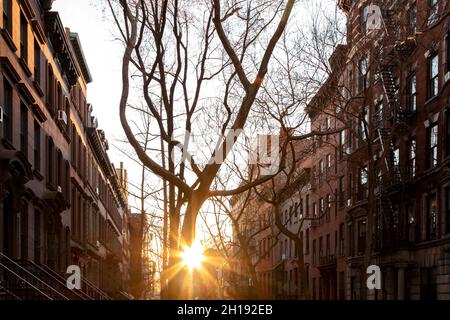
162	54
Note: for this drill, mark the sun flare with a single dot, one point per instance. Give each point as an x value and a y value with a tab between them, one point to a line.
193	256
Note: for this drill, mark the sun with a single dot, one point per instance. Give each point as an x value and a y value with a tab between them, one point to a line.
193	256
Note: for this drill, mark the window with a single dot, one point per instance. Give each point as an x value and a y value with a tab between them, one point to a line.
328	248
361	236
328	201
321	170
7	110
24	129
363	122
314	258
24	231
378	118
341	143
428	283
432	11
50	89
37	236
412	158
412	93
351	248
413	19
351	82
7	16
447	132
307	205
320	247
341	285
364	18
431	217
447	53
328	157
433	76
23	38
301	211
341	192
50	161
37	62
341	239
447	210
396	157
362	183
362	78
350	188
307	241
432	137
295	210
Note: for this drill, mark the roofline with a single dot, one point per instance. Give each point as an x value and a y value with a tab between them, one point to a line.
75	39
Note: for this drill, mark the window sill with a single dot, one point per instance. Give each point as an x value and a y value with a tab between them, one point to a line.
431	170
430	100
38	175
8	39
7	144
50	186
25	67
37	86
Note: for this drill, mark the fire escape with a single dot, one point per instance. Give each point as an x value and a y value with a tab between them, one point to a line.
390	120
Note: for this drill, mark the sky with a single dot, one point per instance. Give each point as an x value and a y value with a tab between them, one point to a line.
104	57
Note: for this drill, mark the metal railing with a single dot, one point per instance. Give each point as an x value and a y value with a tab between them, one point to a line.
54	279
24	283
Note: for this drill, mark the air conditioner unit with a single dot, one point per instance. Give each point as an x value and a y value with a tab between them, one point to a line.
62	116
349	202
97	191
447	76
1	114
97	244
59	189
283	256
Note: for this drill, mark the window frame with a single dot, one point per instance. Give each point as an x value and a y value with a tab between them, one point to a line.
432	145
7	16
412	93
433	78
23	37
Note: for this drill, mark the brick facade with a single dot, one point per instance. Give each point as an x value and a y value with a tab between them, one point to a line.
61	200
379	190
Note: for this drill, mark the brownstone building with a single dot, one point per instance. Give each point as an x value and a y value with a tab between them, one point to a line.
61	200
379	188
